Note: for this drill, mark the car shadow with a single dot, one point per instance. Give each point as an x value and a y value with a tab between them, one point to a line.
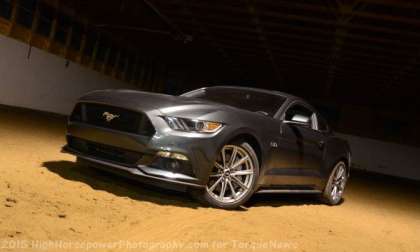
118	185
283	199
124	187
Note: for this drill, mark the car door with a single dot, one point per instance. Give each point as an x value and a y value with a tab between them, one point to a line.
303	143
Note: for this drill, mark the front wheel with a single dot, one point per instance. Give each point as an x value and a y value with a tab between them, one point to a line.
233	177
334	189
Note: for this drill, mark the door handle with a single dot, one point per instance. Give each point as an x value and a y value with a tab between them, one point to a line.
321	144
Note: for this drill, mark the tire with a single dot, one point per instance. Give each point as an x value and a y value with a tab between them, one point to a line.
334	189
231	187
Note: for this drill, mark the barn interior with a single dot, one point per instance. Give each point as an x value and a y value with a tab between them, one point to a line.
357	61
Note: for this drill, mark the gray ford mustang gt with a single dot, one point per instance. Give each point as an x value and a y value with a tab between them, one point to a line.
222	144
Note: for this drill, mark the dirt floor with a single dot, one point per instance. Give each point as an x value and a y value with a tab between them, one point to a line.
47	203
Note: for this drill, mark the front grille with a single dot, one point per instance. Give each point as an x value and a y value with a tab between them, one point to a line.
115	118
106	152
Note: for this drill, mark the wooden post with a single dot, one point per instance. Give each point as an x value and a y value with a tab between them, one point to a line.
52	31
162	79
106	59
82	43
35	23
124	73
134	71
157	75
68	41
13	16
117	62
150	75
143	75
95	52
138	81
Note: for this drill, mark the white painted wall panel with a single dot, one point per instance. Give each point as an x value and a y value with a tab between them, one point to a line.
384	157
43	82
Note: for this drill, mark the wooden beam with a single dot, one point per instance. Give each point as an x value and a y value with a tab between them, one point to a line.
207	34
307	19
405	4
318	32
263	39
184	37
394	51
344	18
326	42
385	17
404	69
321	9
372	55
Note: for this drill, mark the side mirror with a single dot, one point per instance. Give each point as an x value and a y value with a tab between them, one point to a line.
300	120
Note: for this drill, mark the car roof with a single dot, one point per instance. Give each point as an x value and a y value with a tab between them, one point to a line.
261	90
289	98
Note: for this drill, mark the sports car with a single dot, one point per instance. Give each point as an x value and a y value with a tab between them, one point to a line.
222	144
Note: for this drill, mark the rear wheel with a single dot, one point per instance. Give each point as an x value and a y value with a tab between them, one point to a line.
233	177
336	184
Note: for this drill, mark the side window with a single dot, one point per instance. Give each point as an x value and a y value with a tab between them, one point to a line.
299	113
322	123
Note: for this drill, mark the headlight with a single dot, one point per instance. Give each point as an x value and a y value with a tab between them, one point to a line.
184	124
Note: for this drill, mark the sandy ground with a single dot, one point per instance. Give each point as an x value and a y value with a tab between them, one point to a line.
47	203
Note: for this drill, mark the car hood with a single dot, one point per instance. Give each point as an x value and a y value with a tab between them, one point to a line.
166	104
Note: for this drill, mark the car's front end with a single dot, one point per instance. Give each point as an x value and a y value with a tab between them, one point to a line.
126	132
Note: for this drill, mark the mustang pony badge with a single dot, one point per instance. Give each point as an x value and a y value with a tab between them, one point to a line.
109	117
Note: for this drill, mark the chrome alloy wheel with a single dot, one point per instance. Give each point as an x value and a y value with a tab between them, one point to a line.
338	182
232	176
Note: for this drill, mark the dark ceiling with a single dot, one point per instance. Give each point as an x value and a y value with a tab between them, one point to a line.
362	52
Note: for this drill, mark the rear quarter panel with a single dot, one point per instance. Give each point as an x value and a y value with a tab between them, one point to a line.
336	149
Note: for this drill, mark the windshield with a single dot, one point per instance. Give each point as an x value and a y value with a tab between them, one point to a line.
254	101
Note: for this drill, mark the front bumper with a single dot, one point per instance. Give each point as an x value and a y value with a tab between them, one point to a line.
201	153
154	176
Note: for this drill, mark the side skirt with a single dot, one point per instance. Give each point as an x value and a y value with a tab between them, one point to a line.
288	191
